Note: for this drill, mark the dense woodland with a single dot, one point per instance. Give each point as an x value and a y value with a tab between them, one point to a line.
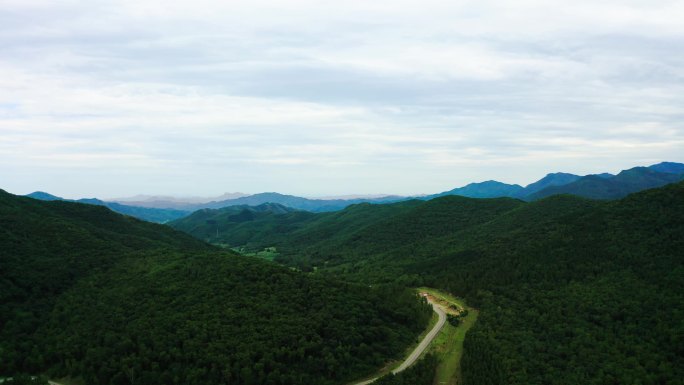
242	225
113	300
571	290
48	246
420	373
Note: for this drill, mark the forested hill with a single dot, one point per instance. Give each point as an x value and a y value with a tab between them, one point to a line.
46	247
109	299
571	290
239	222
299	230
228	226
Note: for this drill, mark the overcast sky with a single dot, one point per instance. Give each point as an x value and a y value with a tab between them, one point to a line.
115	98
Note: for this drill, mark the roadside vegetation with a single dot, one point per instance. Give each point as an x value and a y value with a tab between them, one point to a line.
386	370
420	373
440	363
448	345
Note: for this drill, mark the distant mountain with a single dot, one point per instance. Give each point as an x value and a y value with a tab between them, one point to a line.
163	213
496	189
668	167
313	205
554	179
604	175
622	184
488	189
144	213
170	202
43	196
358	196
160	204
596	186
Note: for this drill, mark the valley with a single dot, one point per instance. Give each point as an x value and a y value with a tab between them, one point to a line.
107	299
551	269
206	192
329	298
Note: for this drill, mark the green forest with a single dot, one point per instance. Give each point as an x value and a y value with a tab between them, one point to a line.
420	373
91	294
571	290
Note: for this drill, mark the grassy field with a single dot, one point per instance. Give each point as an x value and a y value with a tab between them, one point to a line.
448	345
268	253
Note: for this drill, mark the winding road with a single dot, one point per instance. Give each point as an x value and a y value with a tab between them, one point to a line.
416	353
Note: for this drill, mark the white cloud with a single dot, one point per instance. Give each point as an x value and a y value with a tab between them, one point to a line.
198	97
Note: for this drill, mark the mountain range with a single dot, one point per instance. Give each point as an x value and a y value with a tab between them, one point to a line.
618	186
598	186
157	215
171	202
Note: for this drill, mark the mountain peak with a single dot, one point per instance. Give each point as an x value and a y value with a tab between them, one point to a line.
486	189
43	196
551	179
668	167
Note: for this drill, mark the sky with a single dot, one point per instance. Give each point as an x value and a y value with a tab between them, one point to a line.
116	98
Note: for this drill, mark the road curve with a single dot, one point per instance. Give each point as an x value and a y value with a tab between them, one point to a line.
421	346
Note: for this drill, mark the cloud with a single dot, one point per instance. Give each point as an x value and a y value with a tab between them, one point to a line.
193	97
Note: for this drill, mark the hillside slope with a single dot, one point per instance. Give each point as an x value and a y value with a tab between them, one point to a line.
270	225
110	299
571	290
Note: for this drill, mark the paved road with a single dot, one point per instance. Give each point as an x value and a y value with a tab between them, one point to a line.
421	347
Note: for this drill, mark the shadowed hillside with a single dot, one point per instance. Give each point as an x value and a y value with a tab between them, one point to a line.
109	299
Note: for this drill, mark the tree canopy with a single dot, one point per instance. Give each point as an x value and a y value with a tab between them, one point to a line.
113	300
